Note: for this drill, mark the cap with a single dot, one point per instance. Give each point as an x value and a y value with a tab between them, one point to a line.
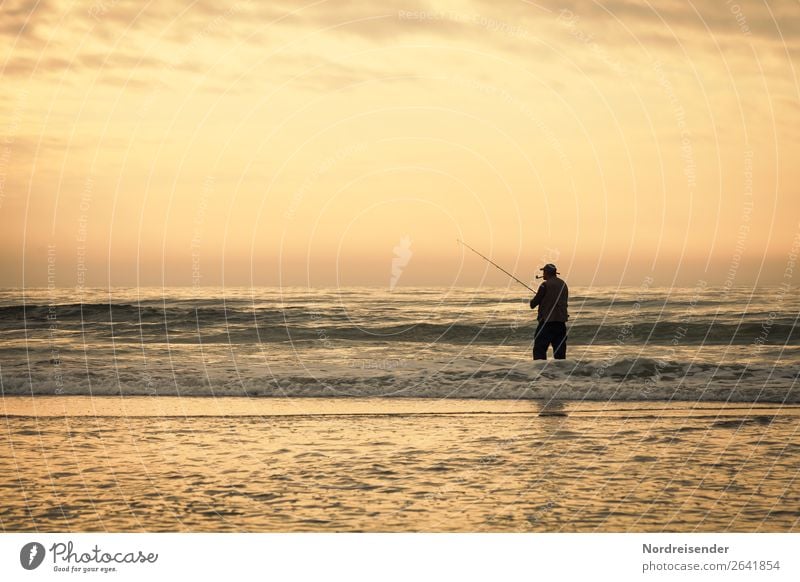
550	268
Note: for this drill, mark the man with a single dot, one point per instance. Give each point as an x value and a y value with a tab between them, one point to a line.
551	299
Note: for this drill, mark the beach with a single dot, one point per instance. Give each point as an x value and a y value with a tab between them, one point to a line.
199	464
361	409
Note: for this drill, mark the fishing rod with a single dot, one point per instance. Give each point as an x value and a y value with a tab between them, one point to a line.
495	264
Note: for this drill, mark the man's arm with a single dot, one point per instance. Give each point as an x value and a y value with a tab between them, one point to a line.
539	296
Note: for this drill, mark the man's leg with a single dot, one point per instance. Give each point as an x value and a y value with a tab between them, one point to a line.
541	340
559	338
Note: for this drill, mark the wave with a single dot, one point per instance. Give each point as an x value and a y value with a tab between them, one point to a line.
236	326
613	379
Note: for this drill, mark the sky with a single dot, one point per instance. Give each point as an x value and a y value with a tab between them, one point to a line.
338	143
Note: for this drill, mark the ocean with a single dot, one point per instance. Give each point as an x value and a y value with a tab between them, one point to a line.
634	343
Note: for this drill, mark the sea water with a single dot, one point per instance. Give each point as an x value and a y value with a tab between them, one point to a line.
635	343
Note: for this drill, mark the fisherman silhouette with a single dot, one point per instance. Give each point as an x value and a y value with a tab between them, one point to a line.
551	299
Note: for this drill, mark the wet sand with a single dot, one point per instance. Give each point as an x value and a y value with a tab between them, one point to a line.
256	465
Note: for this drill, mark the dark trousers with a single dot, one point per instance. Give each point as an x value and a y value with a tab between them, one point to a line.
551	333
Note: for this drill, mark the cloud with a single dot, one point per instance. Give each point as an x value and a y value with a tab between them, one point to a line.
21	20
775	22
248	44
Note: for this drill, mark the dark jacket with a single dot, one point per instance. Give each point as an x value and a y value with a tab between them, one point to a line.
552	298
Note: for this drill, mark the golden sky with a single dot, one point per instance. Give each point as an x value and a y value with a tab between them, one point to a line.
293	143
